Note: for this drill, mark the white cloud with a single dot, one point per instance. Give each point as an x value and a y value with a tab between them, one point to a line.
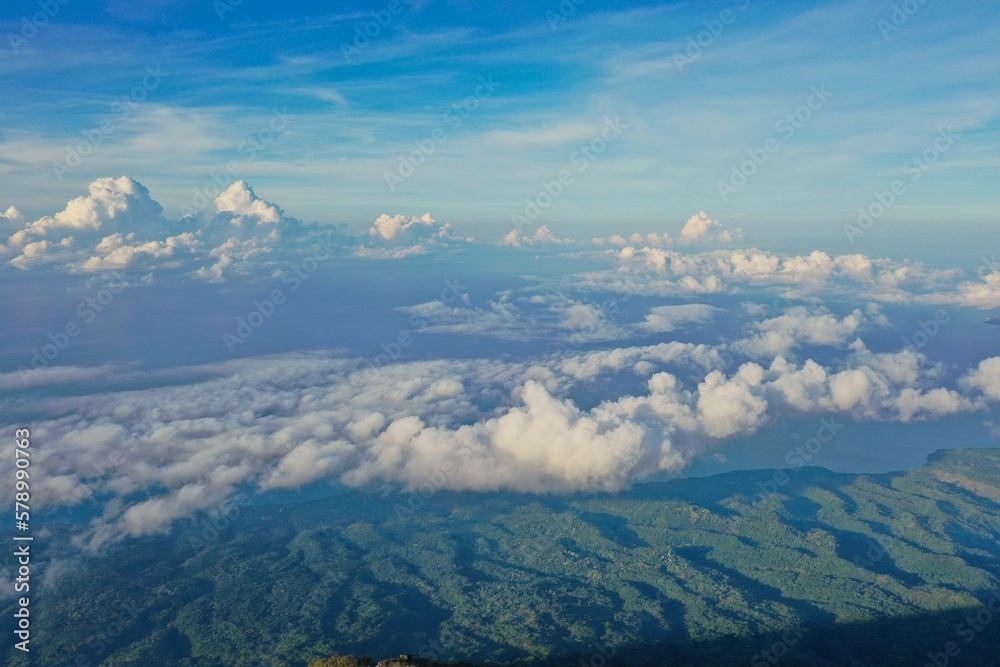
118	225
551	316
115	251
591	365
697	229
886	385
114	204
236	256
985	378
671	318
938	402
697	226
246	207
798	326
500	318
187	442
117	201
11	219
983	294
654	271
57	375
727	406
391	253
395	227
543	316
399	236
543	235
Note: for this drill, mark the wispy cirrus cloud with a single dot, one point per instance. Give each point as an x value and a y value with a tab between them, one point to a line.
604	61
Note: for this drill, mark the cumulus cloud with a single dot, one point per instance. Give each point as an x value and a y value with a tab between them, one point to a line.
728	406
236	256
671	318
113	205
120	251
245	207
394	227
118	225
699	229
112	202
934	403
542	235
651	271
868	385
985	378
641	360
247	234
399	236
195	435
548	424
983	294
11	220
798	326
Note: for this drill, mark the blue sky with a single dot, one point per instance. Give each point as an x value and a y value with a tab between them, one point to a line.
688	122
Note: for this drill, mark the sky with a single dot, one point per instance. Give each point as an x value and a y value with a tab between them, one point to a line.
253	249
317	108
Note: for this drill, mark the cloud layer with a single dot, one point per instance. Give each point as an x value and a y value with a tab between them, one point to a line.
576	420
198	434
119	226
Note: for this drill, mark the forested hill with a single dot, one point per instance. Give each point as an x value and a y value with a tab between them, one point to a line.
750	568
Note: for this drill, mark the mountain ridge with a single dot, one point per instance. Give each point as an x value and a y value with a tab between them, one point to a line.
690	567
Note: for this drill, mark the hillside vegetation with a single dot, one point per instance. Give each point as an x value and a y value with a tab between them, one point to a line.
832	569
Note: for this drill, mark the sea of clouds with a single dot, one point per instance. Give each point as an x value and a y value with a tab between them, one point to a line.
635	376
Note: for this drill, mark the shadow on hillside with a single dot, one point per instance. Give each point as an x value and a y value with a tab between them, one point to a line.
912	641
